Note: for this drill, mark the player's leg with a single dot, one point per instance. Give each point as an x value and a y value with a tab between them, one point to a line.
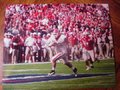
13	56
74	69
91	63
75	52
86	58
31	55
17	56
69	52
87	65
67	63
53	62
92	58
101	55
50	51
92	55
52	72
27	54
44	54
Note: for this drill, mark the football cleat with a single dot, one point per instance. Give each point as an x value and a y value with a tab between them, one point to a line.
52	72
75	71
92	66
88	68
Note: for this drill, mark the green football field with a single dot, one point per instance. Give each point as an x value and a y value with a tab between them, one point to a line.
102	67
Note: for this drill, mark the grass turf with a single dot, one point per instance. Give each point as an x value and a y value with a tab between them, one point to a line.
106	66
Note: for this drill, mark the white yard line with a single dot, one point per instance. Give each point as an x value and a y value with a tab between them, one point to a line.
25	70
26	63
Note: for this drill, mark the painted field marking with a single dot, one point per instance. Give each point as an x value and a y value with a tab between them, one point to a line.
44	77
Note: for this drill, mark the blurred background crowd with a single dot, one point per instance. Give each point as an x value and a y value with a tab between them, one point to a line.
72	20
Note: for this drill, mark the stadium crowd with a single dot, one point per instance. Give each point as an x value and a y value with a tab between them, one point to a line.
29	27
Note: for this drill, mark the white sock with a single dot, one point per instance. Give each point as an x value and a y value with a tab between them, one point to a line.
53	68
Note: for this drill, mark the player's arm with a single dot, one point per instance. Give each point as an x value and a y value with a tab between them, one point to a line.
62	39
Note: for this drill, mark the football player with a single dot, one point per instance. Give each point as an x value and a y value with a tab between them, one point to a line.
88	50
59	42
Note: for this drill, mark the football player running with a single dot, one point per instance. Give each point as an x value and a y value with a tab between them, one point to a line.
59	42
88	50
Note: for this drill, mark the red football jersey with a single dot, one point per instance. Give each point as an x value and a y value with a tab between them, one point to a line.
87	43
